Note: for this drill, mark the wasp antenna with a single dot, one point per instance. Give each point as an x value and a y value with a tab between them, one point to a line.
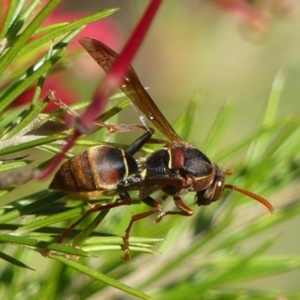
229	171
258	198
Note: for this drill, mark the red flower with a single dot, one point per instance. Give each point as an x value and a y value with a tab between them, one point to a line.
53	83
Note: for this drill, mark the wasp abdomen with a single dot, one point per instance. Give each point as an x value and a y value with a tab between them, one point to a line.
98	168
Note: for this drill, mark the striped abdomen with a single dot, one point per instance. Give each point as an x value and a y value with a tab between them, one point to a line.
98	168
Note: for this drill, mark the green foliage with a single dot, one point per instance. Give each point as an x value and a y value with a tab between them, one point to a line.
202	257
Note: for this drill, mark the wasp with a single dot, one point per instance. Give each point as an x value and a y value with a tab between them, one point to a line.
176	169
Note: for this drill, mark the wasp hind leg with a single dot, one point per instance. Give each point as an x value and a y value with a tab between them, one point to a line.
184	210
124	200
156	208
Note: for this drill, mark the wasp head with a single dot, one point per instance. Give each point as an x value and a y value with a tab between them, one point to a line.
216	189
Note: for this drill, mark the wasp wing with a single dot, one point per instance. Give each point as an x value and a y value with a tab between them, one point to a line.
132	87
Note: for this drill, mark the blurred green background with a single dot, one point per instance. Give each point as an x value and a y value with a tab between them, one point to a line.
195	49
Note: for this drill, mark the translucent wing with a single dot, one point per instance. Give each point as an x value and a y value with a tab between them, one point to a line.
132	87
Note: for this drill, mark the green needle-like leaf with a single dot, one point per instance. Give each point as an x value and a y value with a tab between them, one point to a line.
14	261
54	31
26	34
101	277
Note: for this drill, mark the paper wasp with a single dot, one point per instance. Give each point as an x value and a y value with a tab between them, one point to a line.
176	169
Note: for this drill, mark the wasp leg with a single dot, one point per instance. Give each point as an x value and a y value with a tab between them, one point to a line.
125	200
149	201
140	142
184	210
